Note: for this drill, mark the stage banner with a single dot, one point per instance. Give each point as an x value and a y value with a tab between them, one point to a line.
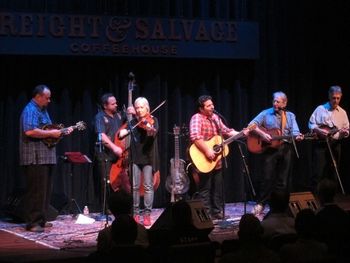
94	35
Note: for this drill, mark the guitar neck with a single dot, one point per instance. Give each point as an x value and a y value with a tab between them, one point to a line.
233	138
177	152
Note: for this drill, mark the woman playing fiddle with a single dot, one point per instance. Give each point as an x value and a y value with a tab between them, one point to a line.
144	156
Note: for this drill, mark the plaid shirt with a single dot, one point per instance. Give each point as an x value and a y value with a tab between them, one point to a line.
33	150
204	127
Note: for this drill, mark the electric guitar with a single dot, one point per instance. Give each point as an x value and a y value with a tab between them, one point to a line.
256	144
51	142
178	182
220	148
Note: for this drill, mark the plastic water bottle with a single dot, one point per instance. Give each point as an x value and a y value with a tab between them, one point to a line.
86	210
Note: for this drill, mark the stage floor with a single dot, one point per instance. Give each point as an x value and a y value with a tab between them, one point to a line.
69	241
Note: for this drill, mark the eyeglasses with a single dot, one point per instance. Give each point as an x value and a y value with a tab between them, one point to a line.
336	98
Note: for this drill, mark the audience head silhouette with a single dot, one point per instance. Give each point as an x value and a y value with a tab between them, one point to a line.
279	201
326	190
250	228
120	202
306	224
124	227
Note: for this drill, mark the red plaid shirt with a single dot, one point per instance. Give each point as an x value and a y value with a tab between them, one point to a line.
204	127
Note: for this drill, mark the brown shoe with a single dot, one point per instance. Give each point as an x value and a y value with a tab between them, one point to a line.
36	229
47	224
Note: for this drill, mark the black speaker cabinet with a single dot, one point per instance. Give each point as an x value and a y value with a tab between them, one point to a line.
15	208
200	219
302	200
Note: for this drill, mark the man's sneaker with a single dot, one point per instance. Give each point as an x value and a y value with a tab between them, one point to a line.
147	220
137	218
258	209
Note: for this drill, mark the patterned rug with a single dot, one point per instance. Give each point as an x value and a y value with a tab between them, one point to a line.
66	233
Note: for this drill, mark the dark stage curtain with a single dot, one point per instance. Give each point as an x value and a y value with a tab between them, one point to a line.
303	50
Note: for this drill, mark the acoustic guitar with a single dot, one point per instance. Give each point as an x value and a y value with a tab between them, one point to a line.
256	144
220	147
51	142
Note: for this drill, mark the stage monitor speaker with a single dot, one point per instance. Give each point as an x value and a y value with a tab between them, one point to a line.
302	200
200	219
15	209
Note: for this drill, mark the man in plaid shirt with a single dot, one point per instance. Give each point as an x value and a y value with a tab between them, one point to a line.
36	158
203	126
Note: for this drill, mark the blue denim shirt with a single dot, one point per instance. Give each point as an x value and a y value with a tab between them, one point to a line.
270	119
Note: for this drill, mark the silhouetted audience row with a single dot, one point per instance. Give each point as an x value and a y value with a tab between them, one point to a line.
320	236
313	237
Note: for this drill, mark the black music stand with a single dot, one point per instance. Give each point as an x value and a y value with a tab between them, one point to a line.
74	158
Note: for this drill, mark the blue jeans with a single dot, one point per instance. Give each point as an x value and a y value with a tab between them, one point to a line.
147	172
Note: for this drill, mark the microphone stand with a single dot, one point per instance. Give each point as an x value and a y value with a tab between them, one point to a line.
223	223
247	178
335	165
132	139
105	178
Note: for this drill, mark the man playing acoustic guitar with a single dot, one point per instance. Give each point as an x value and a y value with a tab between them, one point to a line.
206	125
276	161
328	121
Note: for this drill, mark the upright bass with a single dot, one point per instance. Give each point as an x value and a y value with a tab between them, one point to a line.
119	169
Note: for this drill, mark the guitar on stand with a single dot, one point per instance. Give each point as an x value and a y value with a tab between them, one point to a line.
177	182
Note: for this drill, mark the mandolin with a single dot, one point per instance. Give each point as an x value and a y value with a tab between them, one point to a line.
51	142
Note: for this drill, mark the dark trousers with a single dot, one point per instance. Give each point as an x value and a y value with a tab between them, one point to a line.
322	163
276	169
103	164
38	193
210	190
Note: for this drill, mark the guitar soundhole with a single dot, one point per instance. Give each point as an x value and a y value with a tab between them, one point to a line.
217	148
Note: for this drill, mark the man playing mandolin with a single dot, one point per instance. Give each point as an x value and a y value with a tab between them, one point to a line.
37	158
328	120
276	161
206	125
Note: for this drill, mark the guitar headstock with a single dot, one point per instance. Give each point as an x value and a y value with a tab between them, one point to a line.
176	130
80	125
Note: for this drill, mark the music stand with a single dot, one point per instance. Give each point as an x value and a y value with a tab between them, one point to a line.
75	158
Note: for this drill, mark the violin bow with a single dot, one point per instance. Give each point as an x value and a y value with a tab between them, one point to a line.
156	108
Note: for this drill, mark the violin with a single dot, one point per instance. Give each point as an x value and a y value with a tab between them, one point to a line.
147	122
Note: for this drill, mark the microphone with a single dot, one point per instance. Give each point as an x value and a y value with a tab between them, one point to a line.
218	113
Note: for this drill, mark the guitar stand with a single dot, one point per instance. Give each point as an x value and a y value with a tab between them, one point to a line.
74	158
335	165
